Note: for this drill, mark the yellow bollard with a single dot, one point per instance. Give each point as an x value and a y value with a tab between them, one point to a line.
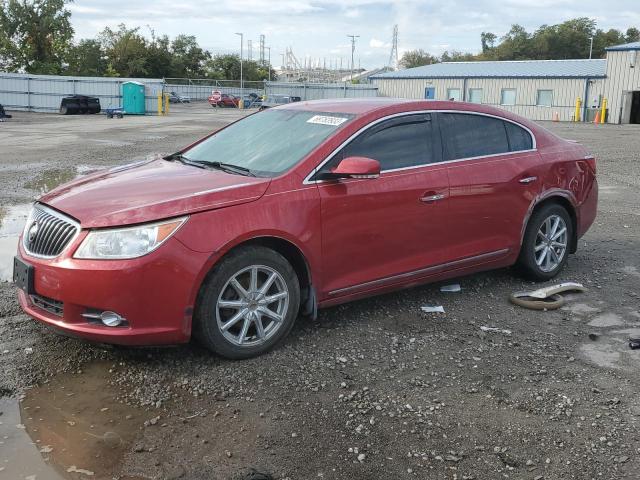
576	117
166	104
603	114
160	104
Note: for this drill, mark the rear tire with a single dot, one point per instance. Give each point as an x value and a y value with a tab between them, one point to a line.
248	304
546	243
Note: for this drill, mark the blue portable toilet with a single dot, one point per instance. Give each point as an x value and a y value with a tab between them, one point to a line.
133	98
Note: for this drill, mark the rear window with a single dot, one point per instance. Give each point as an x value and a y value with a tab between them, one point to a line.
467	136
519	138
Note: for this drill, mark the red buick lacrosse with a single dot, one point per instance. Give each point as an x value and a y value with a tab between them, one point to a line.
297	208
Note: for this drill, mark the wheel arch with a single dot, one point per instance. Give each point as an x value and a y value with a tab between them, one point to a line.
291	252
565	200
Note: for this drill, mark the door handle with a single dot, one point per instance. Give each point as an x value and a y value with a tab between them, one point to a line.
528	180
432	198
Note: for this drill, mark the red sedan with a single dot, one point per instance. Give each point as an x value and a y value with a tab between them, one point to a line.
217	99
299	207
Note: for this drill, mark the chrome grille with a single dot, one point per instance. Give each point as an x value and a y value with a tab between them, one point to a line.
48	232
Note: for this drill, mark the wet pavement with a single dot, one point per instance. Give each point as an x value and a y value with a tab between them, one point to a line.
12	220
69	428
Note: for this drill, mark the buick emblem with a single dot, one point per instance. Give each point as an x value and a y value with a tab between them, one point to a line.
33	231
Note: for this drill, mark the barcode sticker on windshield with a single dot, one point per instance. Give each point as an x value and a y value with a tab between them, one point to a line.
325	120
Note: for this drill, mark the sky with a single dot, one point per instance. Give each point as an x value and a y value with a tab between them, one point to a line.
319	29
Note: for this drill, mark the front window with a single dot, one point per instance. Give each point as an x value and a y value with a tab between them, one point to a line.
270	142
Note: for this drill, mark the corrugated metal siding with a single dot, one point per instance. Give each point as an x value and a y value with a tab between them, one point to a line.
565	92
43	93
620	77
317	91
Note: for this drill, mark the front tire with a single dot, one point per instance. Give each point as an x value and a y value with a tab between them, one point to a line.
248	304
547	241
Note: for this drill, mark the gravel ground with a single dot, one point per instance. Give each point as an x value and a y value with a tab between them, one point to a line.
372	389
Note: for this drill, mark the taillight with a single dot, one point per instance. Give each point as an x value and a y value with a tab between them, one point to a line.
591	161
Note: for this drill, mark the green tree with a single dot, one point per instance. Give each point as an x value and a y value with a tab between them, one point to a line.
633	35
126	51
187	57
488	41
35	35
159	57
456	56
86	58
416	58
227	67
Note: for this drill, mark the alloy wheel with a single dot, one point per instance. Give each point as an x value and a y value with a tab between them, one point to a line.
551	243
252	306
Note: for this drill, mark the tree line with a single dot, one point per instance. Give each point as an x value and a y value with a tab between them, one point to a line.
36	37
567	40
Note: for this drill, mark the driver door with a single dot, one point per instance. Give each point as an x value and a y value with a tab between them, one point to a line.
388	230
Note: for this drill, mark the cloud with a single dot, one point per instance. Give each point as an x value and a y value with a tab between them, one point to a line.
318	28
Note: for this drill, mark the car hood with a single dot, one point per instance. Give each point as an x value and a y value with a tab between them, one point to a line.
152	190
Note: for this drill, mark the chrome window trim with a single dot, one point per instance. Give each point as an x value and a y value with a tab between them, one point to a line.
308	181
56	214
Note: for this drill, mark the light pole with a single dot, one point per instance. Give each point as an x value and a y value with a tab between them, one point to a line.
353	49
269	62
241	53
590	47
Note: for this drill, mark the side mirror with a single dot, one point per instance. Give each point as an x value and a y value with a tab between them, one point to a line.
355	167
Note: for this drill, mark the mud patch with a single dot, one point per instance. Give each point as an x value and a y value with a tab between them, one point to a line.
50	179
607	320
580	309
12	220
72	428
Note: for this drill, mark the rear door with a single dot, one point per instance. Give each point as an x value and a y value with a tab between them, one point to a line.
494	173
380	232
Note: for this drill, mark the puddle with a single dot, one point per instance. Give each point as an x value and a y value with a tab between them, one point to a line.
72	428
50	179
12	220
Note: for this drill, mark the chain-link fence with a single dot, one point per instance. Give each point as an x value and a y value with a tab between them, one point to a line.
200	89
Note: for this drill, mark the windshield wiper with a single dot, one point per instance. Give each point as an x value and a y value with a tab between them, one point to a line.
184	160
225	167
228	167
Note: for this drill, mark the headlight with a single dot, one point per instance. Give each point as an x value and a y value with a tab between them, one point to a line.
131	242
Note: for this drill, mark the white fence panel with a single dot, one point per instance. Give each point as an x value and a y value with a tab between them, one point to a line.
43	93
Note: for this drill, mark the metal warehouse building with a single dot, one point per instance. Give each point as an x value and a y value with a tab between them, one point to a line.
536	89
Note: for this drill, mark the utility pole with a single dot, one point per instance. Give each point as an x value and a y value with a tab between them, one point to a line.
269	62
353	49
590	47
249	50
262	47
241	54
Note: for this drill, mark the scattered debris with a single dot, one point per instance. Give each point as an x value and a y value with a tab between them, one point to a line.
593	336
504	331
74	469
256	475
433	308
454	287
547	298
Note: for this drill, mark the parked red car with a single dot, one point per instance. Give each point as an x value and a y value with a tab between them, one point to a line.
223	100
334	200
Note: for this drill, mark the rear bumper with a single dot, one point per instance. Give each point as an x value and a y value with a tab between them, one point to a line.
588	210
154	293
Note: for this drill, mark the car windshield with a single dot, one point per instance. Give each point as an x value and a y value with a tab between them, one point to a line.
270	142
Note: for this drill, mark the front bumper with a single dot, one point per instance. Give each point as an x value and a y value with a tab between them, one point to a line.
154	293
